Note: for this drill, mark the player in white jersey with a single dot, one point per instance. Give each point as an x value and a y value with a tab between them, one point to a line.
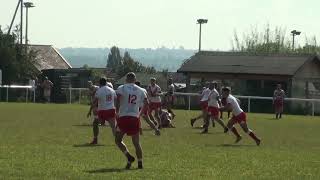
239	116
204	97
104	100
154	92
213	108
145	115
129	100
169	97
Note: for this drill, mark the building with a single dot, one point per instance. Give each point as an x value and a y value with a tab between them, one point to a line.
47	57
256	74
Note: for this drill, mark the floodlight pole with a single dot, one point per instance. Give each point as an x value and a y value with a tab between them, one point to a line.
200	22
21	20
27	5
14	17
294	33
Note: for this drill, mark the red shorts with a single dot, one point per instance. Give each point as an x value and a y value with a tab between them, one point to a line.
204	105
145	110
129	125
105	115
242	117
278	104
154	106
213	111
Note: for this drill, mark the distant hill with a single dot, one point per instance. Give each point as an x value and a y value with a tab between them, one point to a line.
160	58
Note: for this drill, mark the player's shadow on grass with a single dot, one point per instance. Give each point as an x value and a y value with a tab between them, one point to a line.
237	145
110	170
87	145
82	125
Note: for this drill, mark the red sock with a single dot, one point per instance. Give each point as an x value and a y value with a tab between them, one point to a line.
253	136
235	132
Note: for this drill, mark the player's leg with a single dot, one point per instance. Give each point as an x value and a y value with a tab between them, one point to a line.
151	124
95	129
112	125
151	116
137	146
245	128
206	123
119	142
231	127
169	108
157	116
220	121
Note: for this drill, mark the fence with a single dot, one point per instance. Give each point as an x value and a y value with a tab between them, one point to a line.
80	95
25	93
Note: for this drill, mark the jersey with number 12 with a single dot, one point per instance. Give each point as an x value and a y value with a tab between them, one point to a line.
131	97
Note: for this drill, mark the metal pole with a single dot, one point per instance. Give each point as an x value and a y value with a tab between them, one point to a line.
26	39
189	100
27	93
14	17
7	93
21	20
79	96
312	108
34	95
70	94
200	37
249	104
293	41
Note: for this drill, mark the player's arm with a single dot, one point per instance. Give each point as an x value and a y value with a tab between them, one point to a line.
93	104
226	107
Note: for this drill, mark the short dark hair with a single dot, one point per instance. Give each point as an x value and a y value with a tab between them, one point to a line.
226	89
103	81
131	76
138	83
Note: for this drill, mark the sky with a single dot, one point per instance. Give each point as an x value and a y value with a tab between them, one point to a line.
156	23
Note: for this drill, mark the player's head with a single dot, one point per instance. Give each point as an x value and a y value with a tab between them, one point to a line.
131	77
278	86
226	91
170	81
153	81
212	85
138	83
103	81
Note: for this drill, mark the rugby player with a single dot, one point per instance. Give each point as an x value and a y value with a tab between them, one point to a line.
129	99
278	101
239	116
154	92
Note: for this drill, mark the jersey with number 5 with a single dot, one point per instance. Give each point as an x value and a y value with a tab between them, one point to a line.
131	97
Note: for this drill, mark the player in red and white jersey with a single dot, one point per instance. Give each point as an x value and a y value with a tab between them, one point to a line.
154	92
239	116
130	98
144	113
169	97
203	105
278	101
104	100
93	109
213	108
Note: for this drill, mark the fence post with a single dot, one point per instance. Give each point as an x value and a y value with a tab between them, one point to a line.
70	94
7	94
34	95
27	94
312	108
249	104
79	96
189	101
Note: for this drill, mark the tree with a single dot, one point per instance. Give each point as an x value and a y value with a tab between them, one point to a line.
16	64
125	64
114	59
271	41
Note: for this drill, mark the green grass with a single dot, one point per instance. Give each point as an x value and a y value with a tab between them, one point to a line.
45	142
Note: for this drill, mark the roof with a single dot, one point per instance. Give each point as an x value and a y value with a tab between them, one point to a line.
48	57
241	63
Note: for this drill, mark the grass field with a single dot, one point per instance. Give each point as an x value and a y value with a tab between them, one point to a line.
47	142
